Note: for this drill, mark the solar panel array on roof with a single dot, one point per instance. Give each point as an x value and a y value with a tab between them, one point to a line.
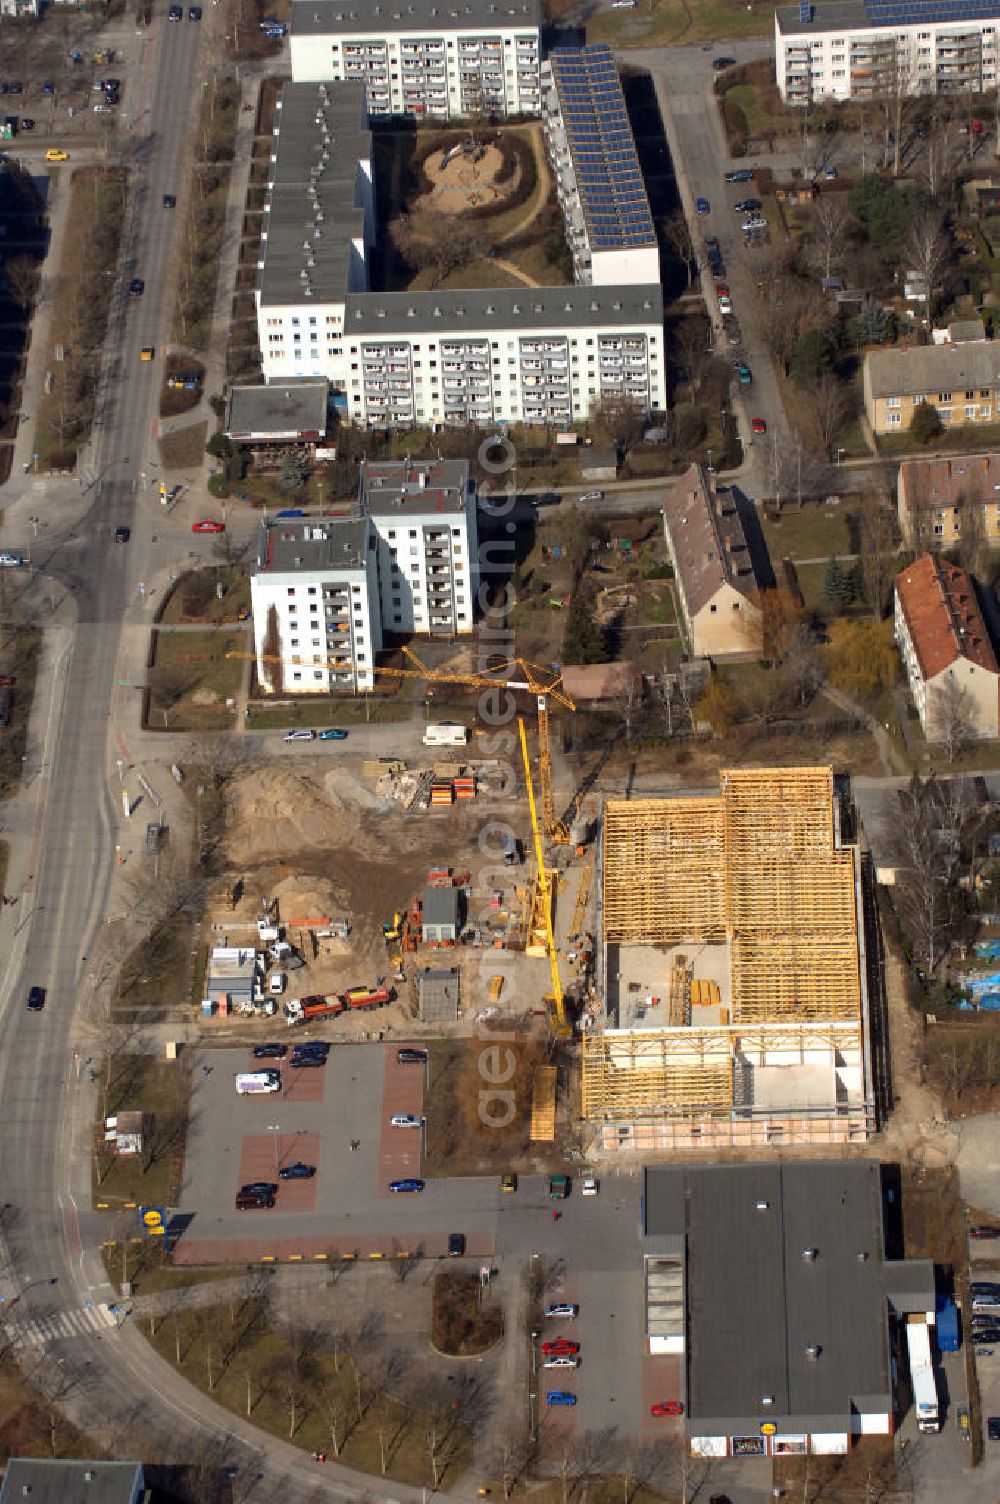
609	179
910	12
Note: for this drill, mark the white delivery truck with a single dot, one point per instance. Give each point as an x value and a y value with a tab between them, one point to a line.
445	734
253	1083
925	1395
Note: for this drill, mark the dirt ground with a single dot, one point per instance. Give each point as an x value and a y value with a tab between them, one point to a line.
326	848
463	184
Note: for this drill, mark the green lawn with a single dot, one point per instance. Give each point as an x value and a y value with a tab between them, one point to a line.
810	533
811	585
974	439
321	710
192	677
302	1389
662	23
146	1083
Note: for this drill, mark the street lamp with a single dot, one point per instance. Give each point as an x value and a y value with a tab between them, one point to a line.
838	454
275	1128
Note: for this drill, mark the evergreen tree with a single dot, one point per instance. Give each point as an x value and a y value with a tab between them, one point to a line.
836	585
583	639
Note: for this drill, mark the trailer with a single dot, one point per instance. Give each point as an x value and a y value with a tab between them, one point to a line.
368	997
255	1083
925	1395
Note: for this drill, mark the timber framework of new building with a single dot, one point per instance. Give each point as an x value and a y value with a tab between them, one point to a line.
734	970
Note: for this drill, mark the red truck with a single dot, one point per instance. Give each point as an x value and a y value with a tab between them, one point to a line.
368	997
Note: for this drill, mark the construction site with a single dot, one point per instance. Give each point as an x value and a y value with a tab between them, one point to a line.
731	1001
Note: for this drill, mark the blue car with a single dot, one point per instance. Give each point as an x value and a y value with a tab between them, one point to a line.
703	206
289	512
333	734
298	1171
406	1185
560	1397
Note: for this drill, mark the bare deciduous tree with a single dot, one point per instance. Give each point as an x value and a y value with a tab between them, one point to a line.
877	537
830	219
829	405
926	250
952	714
973	548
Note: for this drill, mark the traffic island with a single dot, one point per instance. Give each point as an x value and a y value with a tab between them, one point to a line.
464	1322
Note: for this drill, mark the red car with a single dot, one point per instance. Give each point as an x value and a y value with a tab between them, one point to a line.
758	425
667	1407
560	1347
208	525
721	290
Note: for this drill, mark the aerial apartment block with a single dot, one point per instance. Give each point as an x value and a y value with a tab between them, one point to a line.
538	354
609	224
424	515
317	622
867	49
425	59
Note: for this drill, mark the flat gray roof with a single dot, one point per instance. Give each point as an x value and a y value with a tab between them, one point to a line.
349	18
286	409
314	174
47	1481
440	906
602	148
311	544
528	308
757	1301
405	488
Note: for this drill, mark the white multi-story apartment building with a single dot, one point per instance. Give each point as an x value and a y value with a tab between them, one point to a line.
425	59
861	49
599	182
537	355
424	516
317	621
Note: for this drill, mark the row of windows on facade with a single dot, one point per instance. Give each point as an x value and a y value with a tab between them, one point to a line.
903	38
465	42
985	394
988	73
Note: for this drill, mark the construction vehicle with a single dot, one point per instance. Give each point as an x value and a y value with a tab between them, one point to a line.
303	1010
394	930
544	895
368	997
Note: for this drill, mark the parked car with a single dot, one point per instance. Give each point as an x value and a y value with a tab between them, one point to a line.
561	1308
307	1062
333	734
252	1201
747	205
36	999
591	496
269	1051
993	1428
170	201
560	1397
667	1407
10	560
146	354
194	12
409	1184
300	734
297	1171
27	124
456	1245
406	1120
725	304
589	1186
718	63
703	206
136	287
175	13
740	175
276	985
410	1056
758	425
259	1188
560	1347
208	525
54	153
744	374
984	1231
508	1183
561	1362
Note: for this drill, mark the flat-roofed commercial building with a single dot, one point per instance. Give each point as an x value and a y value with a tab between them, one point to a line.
609	224
424	59
771	1284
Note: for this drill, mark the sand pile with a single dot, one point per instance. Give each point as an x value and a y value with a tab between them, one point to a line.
310	898
277	811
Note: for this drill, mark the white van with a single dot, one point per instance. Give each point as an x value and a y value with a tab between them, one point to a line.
253	1083
445	734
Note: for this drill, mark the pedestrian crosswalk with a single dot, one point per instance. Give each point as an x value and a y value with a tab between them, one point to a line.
60	1326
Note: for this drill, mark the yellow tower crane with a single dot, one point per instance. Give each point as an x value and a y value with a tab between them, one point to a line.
557	1003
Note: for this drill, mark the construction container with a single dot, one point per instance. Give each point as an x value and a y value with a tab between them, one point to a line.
442	793
465	787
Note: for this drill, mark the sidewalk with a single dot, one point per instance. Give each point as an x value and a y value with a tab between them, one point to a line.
41	328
